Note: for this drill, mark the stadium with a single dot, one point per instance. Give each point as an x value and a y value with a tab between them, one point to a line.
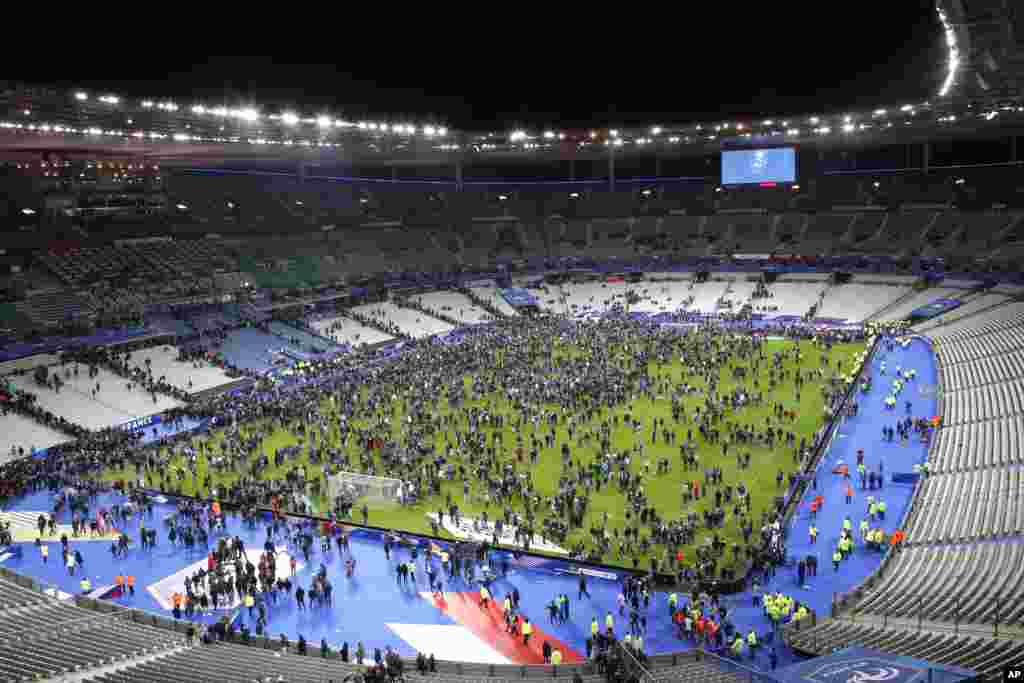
288	395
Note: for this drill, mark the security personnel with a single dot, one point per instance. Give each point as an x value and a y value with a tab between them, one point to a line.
813	532
881	509
85	584
485	596
847	524
836	559
609	624
594	628
556	657
527	631
864	529
752	641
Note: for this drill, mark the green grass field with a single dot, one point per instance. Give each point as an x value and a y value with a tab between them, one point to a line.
663	491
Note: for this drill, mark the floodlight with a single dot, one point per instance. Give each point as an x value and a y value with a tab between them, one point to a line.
429	130
323	121
549	135
656	130
29	212
289	118
81	96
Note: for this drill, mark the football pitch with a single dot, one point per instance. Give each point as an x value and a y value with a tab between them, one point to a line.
663	490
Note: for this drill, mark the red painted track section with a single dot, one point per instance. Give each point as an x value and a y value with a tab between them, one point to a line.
489	626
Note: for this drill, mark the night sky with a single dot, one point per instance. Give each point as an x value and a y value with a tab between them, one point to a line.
628	66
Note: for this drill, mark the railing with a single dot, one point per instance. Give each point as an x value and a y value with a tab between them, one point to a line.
741	671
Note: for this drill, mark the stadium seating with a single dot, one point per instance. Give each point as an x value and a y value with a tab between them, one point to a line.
453	305
113	405
493	297
193	376
18	431
413	323
984	654
350	332
857	301
795	298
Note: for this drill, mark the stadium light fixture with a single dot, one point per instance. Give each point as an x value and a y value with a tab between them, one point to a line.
849	127
815	120
960	181
618	142
147	104
429	130
561	136
442	131
110	99
769	122
81	96
646	192
614	132
574	195
517	135
793	131
880	112
289	118
182	207
502	197
656	130
549	135
323	121
199	109
29	212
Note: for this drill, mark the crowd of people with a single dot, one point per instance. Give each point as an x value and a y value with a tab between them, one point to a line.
441	413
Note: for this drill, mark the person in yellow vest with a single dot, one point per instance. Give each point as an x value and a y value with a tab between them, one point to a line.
881	509
813	533
836	559
609	624
485	596
527	631
752	642
638	644
85	584
556	657
250	603
800	613
594	628
864	529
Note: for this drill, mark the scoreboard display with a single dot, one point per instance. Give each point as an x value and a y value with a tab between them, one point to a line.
759	166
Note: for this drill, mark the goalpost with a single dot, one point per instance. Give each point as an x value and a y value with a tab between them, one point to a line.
353	487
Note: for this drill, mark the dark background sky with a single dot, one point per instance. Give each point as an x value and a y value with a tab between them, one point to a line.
614	66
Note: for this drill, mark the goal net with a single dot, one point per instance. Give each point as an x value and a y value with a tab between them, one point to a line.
352	486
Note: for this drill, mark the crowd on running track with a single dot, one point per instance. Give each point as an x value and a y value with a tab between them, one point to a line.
524	378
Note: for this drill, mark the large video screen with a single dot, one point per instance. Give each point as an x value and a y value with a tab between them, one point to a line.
751	166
